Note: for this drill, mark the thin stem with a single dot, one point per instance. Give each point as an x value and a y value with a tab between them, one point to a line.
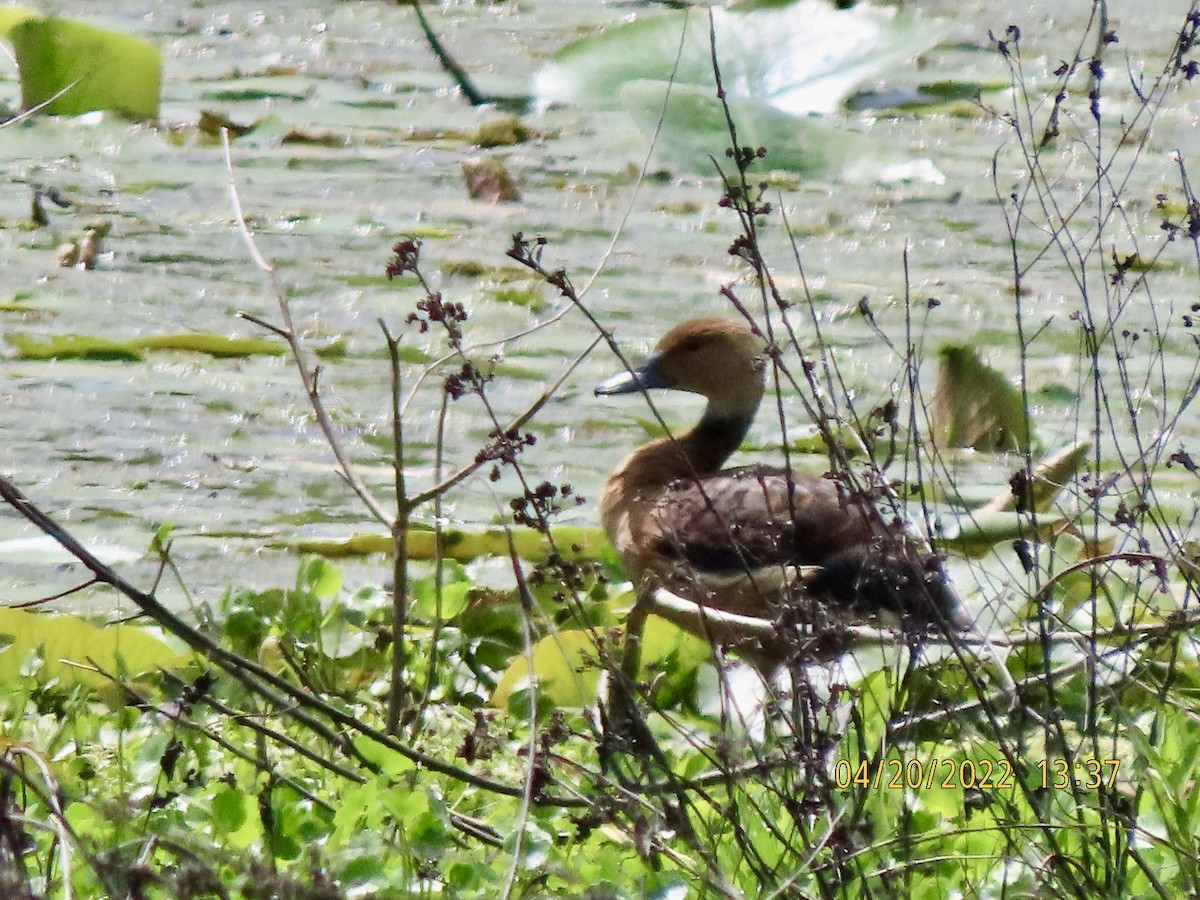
475	96
398	693
308	376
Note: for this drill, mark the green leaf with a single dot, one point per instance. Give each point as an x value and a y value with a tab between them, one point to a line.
80	346
695	131
84	820
564	665
162	538
573	542
78	68
975	534
71	346
670	660
456	585
780	62
358	804
873	709
218	345
1049	478
976	406
319	577
800	58
229	810
387	760
11	16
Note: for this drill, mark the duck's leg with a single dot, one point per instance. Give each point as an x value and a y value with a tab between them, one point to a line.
624	729
635	624
621	720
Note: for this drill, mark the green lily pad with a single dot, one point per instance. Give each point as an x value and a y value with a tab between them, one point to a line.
801	57
779	64
75	68
213	344
12	16
82	346
71	649
1049	477
695	131
71	346
572	541
979	532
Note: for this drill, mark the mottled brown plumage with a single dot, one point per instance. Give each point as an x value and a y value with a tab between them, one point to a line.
754	541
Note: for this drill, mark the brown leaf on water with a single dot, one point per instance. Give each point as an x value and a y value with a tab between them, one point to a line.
211	123
501	133
488	179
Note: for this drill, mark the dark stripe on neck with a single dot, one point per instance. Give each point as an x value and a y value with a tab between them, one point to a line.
716	436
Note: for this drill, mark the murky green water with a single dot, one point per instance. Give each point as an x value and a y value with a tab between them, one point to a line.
227	450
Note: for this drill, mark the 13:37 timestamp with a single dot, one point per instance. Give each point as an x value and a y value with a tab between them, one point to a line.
1086	773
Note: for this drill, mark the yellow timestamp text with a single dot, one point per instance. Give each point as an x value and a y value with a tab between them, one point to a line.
1086	773
966	774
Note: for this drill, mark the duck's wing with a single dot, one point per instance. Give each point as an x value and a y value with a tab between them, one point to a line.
776	529
754	517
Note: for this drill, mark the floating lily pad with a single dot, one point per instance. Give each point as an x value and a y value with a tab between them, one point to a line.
937	95
12	16
695	131
572	541
81	346
779	64
802	57
72	649
44	549
978	533
75	68
71	346
1049	477
213	344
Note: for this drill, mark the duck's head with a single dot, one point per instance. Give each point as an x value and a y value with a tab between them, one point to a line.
717	357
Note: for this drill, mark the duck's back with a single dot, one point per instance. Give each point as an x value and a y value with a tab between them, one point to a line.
750	539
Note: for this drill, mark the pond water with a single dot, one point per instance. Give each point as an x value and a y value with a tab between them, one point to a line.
227	450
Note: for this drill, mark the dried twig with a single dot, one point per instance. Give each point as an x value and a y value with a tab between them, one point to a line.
287	331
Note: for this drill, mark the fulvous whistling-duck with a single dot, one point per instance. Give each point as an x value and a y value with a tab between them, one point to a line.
756	541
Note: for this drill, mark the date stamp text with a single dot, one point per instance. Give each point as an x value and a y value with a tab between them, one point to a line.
965	774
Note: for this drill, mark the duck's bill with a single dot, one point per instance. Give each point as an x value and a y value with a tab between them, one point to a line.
644	378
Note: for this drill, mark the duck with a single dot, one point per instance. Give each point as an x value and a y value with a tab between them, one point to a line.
792	548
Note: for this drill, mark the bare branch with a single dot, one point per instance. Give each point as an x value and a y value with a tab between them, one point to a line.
288	332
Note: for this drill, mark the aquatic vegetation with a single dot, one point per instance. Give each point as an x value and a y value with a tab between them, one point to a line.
69	67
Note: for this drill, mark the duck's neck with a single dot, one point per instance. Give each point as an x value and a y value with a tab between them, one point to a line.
715	438
646	472
701	451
